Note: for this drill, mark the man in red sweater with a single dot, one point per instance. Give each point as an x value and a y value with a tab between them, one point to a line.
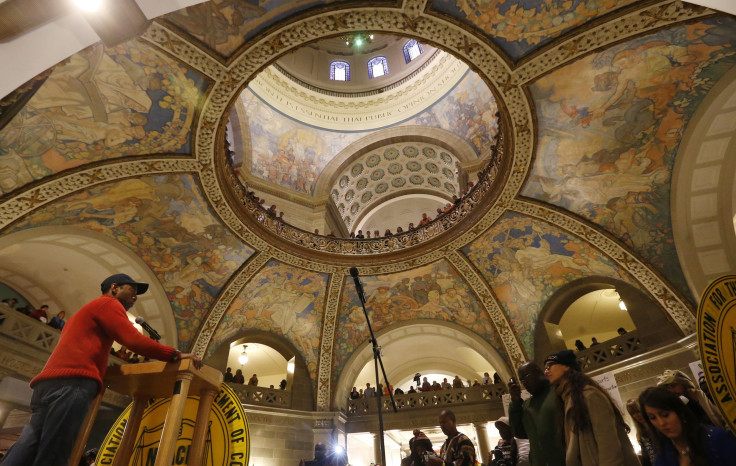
72	377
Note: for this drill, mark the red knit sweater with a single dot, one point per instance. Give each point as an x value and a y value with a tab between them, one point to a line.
87	337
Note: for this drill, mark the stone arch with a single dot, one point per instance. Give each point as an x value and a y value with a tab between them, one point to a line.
655	325
64	265
300	384
391	339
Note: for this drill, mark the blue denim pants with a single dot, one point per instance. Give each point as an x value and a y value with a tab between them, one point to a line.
59	407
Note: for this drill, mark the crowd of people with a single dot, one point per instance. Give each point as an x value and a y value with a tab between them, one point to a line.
41	314
571	420
239	378
425	219
423	385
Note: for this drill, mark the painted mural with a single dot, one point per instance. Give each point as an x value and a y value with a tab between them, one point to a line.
225	25
102	103
435	291
292	154
610	126
525	261
280	299
520	27
165	221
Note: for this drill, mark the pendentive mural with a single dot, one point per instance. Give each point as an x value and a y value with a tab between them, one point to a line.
293	154
520	27
525	261
165	221
281	299
99	105
435	291
610	125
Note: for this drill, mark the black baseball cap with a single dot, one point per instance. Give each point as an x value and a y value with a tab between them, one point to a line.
123	279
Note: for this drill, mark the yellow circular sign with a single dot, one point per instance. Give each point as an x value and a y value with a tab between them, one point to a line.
228	439
717	343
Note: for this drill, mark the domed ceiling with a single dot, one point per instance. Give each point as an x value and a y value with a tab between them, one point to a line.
127	143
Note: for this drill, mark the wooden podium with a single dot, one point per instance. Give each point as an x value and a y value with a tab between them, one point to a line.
157	380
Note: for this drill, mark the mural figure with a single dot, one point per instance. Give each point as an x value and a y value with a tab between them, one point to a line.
526	261
635	101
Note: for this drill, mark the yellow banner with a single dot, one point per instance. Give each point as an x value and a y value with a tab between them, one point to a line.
227	444
717	343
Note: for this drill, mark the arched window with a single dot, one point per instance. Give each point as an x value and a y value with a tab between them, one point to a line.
412	50
339	71
377	66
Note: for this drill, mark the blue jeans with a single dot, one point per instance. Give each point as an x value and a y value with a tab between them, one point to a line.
59	407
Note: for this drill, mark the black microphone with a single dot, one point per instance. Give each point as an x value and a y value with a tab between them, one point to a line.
151	331
358	286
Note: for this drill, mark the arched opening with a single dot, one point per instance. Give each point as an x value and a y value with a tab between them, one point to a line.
422	346
570	314
64	266
272	359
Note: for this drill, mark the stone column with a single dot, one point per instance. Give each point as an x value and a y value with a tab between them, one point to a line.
483	445
377	448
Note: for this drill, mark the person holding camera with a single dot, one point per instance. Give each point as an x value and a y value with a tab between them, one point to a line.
510	451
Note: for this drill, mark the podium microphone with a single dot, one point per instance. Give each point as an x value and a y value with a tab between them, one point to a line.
358	286
151	331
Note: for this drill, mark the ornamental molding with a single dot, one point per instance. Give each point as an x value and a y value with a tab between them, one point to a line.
35	196
627	26
676	306
332	306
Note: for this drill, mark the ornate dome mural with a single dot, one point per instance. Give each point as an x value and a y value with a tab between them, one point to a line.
591	101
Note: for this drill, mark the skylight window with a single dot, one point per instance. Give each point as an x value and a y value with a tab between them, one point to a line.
339	71
377	66
412	50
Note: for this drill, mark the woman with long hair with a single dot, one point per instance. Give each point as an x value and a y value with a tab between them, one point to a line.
680	439
595	431
643	433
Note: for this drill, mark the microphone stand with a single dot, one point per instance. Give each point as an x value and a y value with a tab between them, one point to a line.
376	362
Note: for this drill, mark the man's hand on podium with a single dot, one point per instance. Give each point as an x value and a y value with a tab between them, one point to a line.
195	359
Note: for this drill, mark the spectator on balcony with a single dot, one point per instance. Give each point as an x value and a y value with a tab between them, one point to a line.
398	391
595	431
360	235
486	378
316	231
387	232
457	383
399	230
496	378
445	384
253	381
387	390
436	386
594	341
411	389
411	226
41	314
376	234
680	438
476	383
425	220
458	449
621	331
580	345
238	377
361	392
368	234
697	401
537	418
369	391
510	451
643	435
228	377
425	385
282	384
58	321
